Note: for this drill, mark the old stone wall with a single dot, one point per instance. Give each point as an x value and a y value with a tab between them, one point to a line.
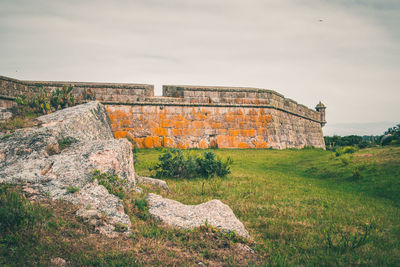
238	96
204	127
105	92
195	116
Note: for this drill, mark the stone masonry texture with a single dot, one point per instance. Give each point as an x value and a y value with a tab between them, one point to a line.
193	116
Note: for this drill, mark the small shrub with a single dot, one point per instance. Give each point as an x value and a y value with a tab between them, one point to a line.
120	227
65	142
72	189
346	150
210	166
111	182
392	136
341	241
141	208
44	101
62	98
174	164
357	174
52	149
4	137
38	103
135	151
345	160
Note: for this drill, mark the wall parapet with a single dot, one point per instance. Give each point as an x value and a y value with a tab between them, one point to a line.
128	92
220	95
173	95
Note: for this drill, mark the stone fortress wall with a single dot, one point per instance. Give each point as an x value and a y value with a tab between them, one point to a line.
193	116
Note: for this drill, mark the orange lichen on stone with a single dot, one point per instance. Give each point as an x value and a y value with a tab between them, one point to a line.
167	142
249	132
261	144
216	125
166	123
234	132
252	111
198	124
139	142
112	118
120	134
148	142
222	131
203	144
180	124
261	131
200	116
161	131
182	145
156	141
125	123
213	143
226	141
243	145
229	118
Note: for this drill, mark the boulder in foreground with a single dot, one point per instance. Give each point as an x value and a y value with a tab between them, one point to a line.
57	160
213	212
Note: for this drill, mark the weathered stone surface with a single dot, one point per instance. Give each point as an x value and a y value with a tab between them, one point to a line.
58	262
4	114
152	181
34	157
177	214
204	127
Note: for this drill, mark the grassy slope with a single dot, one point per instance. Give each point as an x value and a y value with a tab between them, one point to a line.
294	201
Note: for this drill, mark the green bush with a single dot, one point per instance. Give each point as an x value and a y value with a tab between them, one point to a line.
62	98
209	166
65	142
357	174
111	182
44	101
37	103
335	142
72	189
346	150
392	136
345	160
175	164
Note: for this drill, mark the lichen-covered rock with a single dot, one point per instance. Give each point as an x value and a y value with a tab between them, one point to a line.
4	114
63	153
213	212
147	180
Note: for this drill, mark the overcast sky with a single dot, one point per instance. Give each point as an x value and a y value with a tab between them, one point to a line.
345	53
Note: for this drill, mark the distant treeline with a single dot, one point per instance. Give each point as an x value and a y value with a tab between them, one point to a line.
390	137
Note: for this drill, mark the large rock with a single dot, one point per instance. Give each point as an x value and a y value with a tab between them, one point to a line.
177	214
4	114
35	157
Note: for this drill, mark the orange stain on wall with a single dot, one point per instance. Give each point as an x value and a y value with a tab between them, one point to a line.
223	128
120	134
203	144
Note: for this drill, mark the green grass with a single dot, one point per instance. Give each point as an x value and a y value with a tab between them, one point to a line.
302	207
307	207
